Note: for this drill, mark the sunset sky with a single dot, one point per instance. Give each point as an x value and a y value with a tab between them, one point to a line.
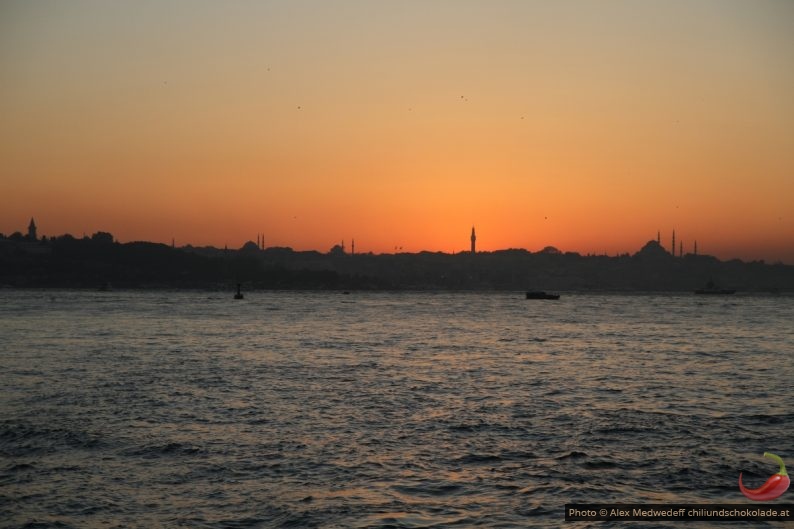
584	125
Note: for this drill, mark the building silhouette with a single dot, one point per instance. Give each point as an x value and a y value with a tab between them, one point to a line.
672	249
32	230
473	241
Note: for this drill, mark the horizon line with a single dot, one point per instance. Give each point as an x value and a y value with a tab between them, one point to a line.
677	251
252	246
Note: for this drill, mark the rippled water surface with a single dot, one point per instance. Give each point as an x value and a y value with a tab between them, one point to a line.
157	409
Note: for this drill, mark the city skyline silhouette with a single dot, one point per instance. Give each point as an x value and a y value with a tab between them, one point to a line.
339	247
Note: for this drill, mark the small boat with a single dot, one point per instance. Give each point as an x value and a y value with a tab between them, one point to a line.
539	294
713	289
239	294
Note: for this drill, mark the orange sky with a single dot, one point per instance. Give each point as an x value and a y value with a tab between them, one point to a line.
583	125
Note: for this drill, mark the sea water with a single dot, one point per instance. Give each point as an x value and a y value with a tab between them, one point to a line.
378	409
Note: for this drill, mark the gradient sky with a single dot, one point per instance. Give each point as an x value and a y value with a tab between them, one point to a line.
584	125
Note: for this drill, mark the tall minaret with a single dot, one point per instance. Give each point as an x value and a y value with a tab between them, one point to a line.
659	237
473	241
681	249
696	247
672	250
32	230
352	247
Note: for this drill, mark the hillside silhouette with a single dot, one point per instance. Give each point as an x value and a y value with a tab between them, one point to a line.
90	262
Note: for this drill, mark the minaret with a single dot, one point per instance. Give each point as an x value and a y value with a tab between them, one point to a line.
672	250
352	247
32	230
681	249
473	241
659	237
258	244
696	247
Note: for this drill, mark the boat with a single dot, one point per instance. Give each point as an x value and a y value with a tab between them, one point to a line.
239	294
539	294
713	289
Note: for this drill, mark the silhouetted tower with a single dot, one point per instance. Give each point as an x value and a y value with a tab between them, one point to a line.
352	247
681	249
672	250
659	237
32	230
696	247
473	241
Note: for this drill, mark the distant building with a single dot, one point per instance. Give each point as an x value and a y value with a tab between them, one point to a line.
32	230
473	241
653	251
550	250
102	237
249	247
672	249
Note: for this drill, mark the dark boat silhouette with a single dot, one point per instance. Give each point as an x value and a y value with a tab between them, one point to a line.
713	289
539	294
239	294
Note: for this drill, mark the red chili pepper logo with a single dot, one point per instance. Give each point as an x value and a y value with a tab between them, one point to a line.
774	486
